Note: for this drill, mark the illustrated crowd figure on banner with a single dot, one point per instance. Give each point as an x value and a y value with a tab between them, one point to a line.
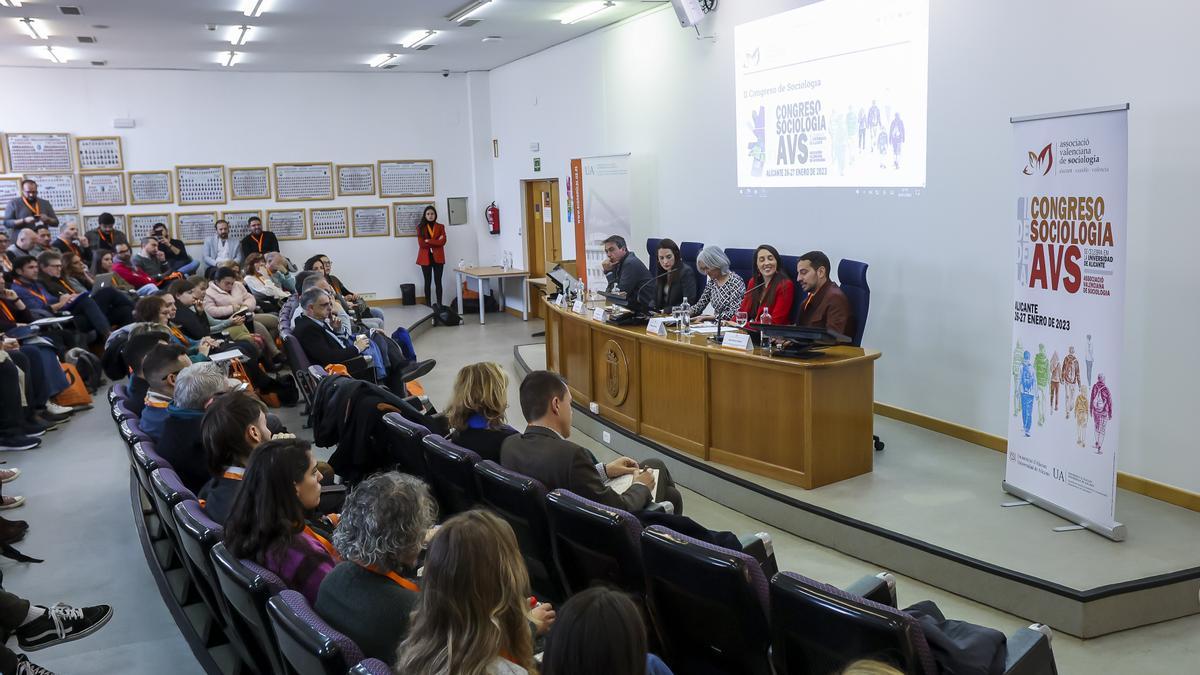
876	133
1033	374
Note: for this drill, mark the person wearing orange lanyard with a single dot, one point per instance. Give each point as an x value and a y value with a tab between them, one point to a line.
232	426
431	252
826	305
272	520
370	595
106	235
69	241
258	241
27	209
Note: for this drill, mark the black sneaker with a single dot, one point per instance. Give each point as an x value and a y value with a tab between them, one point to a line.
25	667
18	443
53	417
417	369
62	623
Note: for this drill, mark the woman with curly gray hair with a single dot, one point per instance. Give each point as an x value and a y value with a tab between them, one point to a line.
370	594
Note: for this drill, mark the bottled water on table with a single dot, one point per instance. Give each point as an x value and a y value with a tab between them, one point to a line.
685	318
765	341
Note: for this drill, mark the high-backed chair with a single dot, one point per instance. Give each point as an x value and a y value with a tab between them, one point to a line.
451	474
688	252
166	490
708	603
404	444
596	544
652	255
852	277
197	535
308	645
741	260
145	461
818	628
521	501
131	431
119	391
371	667
246	588
299	363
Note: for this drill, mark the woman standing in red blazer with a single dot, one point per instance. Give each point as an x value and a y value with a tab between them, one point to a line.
431	253
770	288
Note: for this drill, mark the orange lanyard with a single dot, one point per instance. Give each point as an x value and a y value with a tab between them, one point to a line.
72	246
108	240
30	289
429	230
177	333
36	206
809	299
259	240
404	583
231	475
323	542
7	312
152	403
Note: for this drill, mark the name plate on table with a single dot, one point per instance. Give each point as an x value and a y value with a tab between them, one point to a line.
598	314
561	300
657	327
740	341
577	307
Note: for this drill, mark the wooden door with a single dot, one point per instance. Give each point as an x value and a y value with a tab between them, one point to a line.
543	236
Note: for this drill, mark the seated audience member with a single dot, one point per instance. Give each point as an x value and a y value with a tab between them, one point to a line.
69	241
676	282
476	409
599	631
115	306
44	238
180	441
258	241
227	296
826	305
160	309
102	272
473	613
259	281
38	360
271	521
38	627
364	311
175	250
122	267
625	273
219	247
27	209
281	271
770	290
233	425
152	262
371	594
76	273
42	303
5	261
160	367
19	424
724	288
543	452
105	236
142	338
195	324
25	245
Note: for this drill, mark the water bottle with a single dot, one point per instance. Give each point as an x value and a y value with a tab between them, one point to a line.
462	263
765	317
685	318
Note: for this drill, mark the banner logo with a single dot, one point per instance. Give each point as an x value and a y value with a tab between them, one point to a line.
751	59
1036	162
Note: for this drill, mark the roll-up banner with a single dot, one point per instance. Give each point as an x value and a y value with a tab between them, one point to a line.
1071	172
602	206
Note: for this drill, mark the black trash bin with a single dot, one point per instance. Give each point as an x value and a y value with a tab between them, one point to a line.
408	294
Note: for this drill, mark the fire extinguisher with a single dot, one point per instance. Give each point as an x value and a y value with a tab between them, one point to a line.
492	214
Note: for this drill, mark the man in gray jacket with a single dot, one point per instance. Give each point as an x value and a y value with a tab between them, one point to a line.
218	247
27	209
625	273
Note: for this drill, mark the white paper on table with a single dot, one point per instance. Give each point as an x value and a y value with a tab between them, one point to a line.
705	330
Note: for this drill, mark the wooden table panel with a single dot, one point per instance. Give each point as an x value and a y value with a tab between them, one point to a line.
575	355
674	404
841	423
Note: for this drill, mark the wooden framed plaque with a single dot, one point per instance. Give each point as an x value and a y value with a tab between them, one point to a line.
57	188
150	187
369	221
406	216
287	224
141	224
355	179
92	222
200	184
239	222
102	189
38	153
10	188
249	182
329	223
193	228
99	153
402	178
303	181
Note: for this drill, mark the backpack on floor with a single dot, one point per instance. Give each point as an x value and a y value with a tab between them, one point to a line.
444	315
89	367
76	393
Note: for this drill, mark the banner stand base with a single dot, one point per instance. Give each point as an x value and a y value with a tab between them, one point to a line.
1116	532
1068	528
1018	502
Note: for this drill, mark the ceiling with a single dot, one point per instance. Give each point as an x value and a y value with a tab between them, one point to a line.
292	35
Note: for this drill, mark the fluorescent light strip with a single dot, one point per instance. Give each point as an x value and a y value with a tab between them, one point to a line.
10	3
255	8
382	60
585	11
30	28
463	13
230	58
54	56
428	34
240	39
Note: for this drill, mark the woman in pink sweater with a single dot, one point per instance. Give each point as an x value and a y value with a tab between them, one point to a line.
227	296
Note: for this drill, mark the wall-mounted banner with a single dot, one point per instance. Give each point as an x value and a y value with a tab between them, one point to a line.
601	203
1071	172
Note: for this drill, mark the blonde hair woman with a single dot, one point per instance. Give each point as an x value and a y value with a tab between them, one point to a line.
473	616
477	409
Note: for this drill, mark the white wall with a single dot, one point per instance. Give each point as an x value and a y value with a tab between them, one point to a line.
940	264
255	119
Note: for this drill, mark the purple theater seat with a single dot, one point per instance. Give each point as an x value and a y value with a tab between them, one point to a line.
306	643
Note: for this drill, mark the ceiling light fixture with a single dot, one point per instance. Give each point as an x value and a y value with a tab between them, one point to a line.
54	55
255	8
584	11
230	58
31	29
10	3
382	60
420	36
462	13
239	37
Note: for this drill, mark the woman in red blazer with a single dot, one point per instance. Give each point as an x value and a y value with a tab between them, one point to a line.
770	288
431	252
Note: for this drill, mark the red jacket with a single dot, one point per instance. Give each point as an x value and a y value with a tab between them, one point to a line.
780	309
431	244
135	277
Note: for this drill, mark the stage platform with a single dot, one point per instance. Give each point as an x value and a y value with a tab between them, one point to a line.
931	510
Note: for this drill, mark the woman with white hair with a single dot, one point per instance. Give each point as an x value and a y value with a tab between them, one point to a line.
723	289
371	593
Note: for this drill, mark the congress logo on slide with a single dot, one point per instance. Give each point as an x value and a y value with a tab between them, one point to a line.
1040	162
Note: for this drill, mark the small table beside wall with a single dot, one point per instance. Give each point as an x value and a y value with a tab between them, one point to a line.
481	274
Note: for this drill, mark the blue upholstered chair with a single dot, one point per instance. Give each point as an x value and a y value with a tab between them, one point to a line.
652	255
451	474
852	277
688	252
166	490
741	260
308	645
404	444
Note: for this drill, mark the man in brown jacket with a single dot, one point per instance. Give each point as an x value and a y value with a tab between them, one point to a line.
826	305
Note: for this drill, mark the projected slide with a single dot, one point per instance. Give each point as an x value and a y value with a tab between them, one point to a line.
833	94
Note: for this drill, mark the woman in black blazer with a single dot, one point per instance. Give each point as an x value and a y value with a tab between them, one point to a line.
476	409
675	281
